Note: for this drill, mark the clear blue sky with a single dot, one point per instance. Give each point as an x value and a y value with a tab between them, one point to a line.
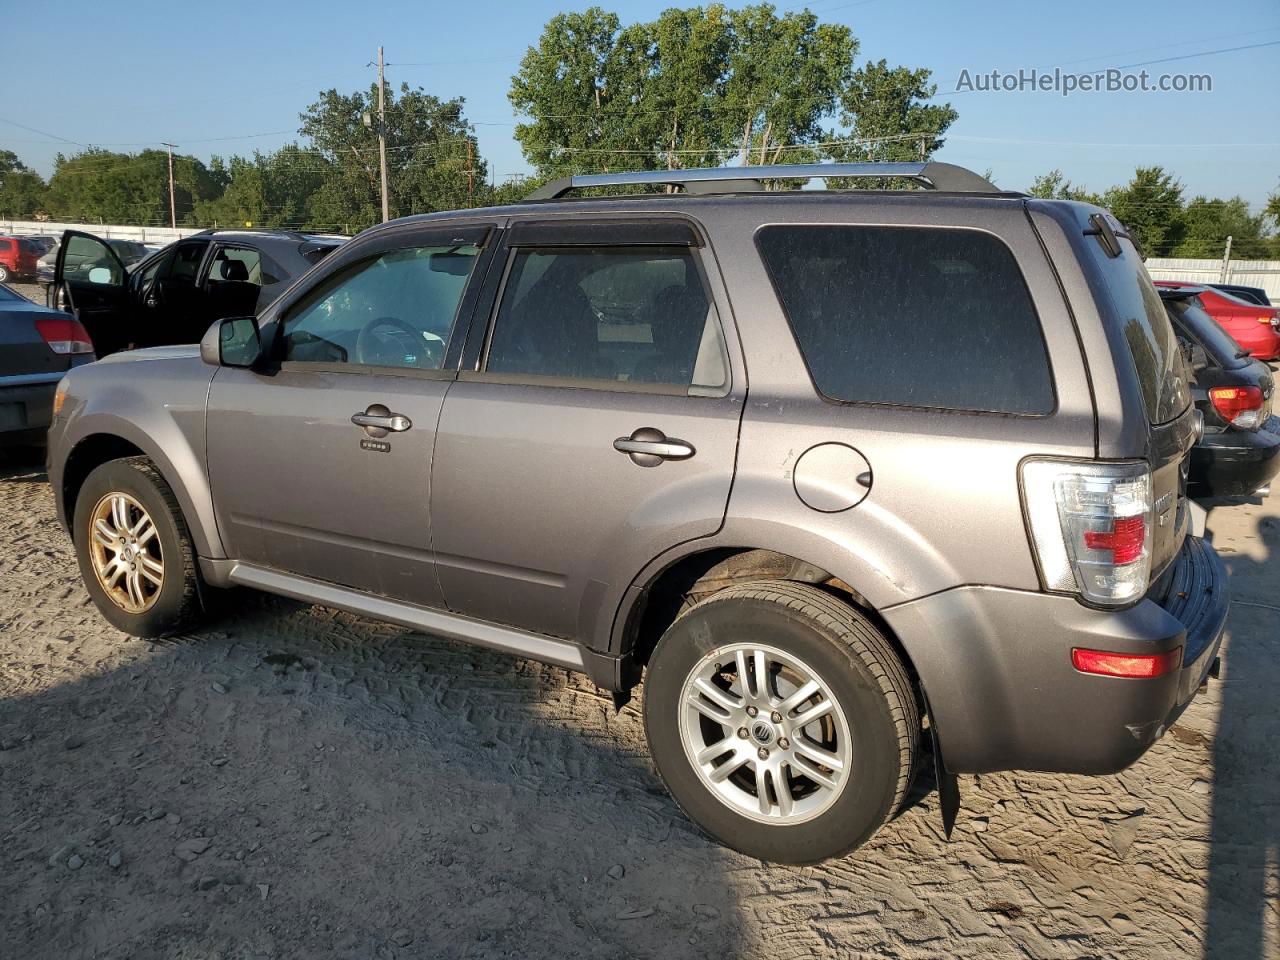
131	75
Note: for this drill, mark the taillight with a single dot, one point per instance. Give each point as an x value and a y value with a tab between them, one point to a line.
1239	406
1091	524
1135	665
1267	319
64	335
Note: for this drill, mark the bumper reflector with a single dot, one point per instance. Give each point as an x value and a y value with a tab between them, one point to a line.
1141	666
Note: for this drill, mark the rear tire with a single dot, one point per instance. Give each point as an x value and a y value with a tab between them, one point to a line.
828	784
134	549
4	273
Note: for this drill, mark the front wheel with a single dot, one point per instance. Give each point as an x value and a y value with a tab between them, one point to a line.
134	551
782	721
4	273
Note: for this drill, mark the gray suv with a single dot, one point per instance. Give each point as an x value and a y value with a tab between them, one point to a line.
852	478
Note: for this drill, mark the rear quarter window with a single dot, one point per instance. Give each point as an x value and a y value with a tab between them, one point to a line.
911	316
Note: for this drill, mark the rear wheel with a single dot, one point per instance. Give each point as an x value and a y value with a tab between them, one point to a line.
782	721
134	550
4	273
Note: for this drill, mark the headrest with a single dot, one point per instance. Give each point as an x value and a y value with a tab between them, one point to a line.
233	270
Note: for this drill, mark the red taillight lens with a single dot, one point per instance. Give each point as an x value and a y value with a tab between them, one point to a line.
1239	406
1124	539
64	335
1141	666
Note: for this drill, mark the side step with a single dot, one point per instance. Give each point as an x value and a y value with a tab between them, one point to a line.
561	653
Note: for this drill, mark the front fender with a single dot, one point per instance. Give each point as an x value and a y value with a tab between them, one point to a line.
158	406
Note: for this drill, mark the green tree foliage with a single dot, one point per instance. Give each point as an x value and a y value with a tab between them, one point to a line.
691	88
22	190
266	190
1150	206
1054	186
889	106
432	161
104	186
1207	224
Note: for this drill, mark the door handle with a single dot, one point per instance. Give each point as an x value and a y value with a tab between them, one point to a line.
378	421
649	447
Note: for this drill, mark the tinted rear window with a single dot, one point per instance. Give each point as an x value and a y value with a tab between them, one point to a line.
911	316
1146	330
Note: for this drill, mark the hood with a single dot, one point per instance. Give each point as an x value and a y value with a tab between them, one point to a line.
184	351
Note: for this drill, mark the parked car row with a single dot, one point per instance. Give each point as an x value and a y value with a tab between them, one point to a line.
1239	453
1252	324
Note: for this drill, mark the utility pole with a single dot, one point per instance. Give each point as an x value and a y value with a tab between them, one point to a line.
471	176
173	207
1225	274
382	133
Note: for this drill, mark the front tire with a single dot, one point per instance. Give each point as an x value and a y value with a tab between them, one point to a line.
4	273
782	721
134	550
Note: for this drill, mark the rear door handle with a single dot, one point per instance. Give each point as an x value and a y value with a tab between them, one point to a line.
649	447
378	421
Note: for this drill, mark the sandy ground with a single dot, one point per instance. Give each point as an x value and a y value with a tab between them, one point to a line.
295	782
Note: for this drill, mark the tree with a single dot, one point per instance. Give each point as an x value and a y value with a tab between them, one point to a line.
22	190
104	186
267	190
785	74
1150	206
432	161
1054	186
889	107
1208	223
691	88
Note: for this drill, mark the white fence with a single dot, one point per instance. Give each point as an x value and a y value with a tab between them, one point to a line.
152	235
1249	273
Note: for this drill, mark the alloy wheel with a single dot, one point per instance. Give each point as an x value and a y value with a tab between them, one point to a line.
764	733
124	548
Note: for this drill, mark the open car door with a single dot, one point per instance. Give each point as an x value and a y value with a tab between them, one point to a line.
90	282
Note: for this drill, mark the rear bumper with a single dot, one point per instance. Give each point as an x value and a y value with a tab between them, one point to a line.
26	405
996	669
1234	463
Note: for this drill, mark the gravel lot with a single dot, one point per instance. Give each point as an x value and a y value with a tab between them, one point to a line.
296	782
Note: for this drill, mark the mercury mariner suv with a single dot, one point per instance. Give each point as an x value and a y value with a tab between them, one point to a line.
851	478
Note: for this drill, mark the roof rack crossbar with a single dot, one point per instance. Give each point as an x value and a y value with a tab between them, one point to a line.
932	174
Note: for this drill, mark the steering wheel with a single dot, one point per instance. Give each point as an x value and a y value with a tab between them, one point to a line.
401	345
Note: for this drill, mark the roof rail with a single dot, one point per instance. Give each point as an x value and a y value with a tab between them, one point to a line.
933	175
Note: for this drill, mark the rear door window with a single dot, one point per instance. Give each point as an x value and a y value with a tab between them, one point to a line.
911	316
623	314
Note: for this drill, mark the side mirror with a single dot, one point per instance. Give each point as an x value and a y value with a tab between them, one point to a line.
233	342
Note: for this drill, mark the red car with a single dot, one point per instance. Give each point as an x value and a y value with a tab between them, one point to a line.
18	257
1255	328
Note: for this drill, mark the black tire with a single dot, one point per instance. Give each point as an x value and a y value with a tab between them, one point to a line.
865	677
176	606
4	273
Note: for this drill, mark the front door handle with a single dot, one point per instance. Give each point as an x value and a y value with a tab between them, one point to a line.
649	447
378	421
